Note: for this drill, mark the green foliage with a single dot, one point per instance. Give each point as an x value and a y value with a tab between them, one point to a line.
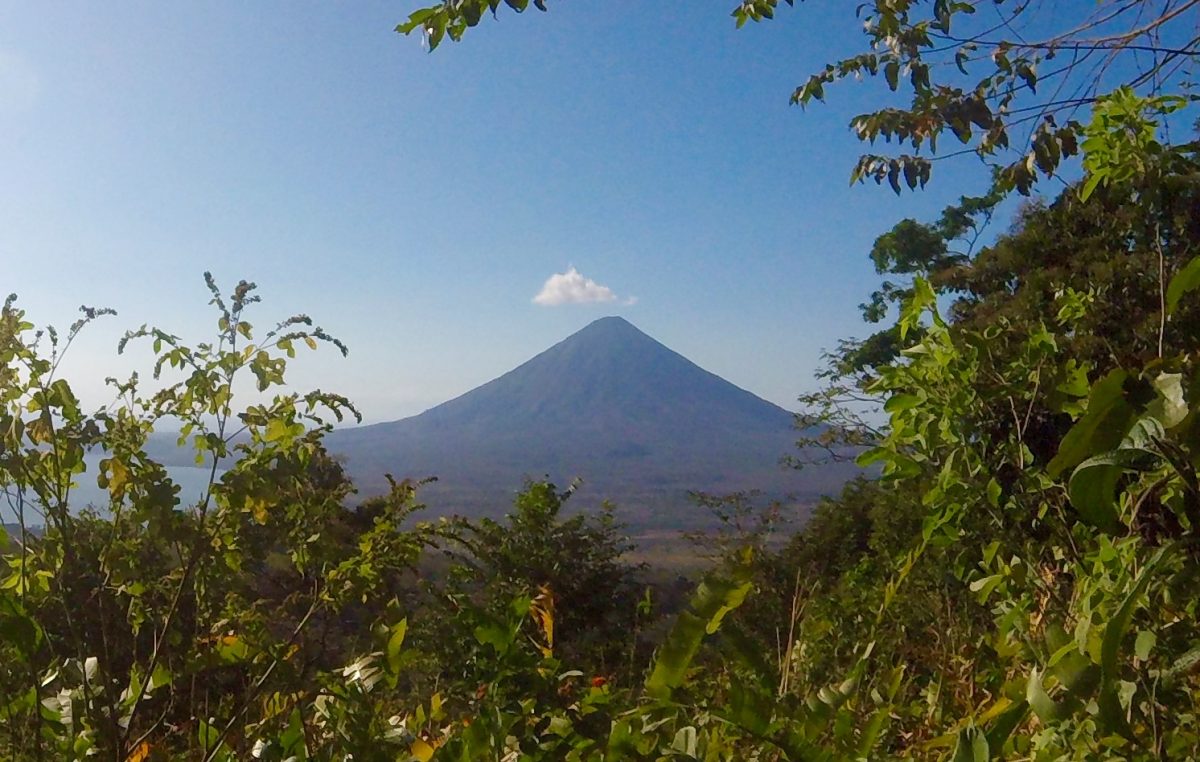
1018	582
157	625
454	17
715	598
1121	145
1042	435
569	567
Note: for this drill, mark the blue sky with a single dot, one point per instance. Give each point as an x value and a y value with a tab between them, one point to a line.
415	203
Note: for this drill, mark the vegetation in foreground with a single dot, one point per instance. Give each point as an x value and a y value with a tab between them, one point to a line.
1019	583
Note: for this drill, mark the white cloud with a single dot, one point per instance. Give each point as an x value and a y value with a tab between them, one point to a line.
572	287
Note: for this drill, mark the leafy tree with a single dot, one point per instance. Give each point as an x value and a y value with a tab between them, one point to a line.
1018	583
571	565
1107	245
162	625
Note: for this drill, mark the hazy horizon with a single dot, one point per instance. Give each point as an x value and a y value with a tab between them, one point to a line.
444	215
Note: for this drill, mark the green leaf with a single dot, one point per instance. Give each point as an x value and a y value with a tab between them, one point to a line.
210	741
972	746
1144	435
1093	485
22	703
1185	281
277	429
494	634
715	597
900	402
891	72
395	643
1039	701
621	742
748	653
231	649
292	738
162	676
18	628
1101	428
1182	666
1171	406
1144	644
993	493
870	734
1112	716
922	299
749	709
873	455
1005	724
1076	673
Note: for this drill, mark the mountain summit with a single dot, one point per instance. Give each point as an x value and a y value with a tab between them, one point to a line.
609	377
632	418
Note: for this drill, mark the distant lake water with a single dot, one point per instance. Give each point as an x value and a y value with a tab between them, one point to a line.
191	480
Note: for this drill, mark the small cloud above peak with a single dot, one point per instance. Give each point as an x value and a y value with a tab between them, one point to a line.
572	287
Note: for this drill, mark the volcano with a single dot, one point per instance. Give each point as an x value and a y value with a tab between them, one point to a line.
638	423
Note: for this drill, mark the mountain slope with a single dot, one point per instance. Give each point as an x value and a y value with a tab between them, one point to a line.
636	420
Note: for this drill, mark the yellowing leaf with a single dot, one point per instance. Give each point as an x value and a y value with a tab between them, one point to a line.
541	609
257	508
141	753
421	750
